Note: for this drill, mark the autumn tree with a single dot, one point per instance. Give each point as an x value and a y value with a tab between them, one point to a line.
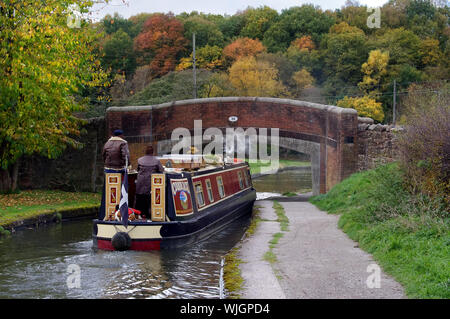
366	106
279	61
218	85
303	54
44	66
207	57
304	43
302	79
430	52
255	78
160	43
242	47
374	70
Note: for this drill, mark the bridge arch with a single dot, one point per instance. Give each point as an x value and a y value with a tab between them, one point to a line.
327	133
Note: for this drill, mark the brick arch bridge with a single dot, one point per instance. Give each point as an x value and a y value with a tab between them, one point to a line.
327	133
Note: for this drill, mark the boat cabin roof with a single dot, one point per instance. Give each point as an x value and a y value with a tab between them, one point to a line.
179	163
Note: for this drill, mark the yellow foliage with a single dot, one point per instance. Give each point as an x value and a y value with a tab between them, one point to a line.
302	79
374	70
430	52
366	107
344	27
255	78
185	63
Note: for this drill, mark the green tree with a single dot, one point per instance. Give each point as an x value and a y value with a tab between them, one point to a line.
403	46
118	53
44	66
344	50
231	26
206	32
306	20
170	87
112	24
258	21
355	15
277	38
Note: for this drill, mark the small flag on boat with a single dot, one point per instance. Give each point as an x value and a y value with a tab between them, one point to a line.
123	205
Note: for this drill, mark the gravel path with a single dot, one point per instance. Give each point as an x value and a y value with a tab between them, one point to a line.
315	259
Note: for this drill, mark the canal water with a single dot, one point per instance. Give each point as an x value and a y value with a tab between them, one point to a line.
44	262
291	180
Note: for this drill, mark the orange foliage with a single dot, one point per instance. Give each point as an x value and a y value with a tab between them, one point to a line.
160	42
243	47
304	43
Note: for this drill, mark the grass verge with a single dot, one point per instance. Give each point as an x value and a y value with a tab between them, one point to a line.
232	278
284	223
409	235
32	203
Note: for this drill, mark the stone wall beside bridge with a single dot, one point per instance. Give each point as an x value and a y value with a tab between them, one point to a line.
377	143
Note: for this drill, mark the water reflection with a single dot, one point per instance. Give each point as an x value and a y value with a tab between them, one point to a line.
296	180
34	264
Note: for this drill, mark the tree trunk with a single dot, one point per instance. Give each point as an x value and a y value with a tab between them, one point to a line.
15	175
5	181
9	178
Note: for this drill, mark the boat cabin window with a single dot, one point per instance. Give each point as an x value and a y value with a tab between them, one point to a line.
241	181
220	186
209	190
199	194
246	178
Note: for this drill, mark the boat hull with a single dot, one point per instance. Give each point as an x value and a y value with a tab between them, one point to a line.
174	234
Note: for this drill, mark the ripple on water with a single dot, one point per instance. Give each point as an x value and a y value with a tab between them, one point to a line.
35	264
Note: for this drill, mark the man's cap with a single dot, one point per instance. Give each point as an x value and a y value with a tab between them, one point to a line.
118	132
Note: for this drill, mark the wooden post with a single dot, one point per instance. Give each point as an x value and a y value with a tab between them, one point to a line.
194	67
394	106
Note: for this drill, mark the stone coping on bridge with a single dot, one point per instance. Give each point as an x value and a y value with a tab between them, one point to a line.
331	108
332	130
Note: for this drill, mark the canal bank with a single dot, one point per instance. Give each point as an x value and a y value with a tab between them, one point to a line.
32	208
310	258
51	217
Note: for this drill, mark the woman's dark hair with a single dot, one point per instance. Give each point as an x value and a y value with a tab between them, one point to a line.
149	150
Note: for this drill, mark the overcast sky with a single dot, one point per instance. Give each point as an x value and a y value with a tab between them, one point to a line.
133	7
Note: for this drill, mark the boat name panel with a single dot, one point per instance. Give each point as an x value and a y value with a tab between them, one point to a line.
181	197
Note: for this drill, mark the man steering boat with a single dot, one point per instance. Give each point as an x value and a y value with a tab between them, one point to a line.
116	158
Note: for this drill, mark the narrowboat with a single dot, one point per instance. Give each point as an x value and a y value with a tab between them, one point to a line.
190	201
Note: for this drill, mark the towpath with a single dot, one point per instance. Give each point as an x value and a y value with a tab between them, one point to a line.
314	259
